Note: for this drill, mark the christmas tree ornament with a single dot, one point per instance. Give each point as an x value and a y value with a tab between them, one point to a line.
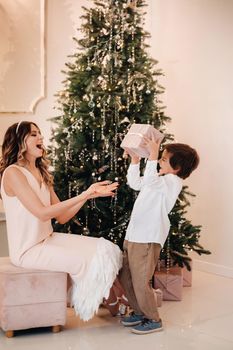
86	231
91	104
69	190
124	121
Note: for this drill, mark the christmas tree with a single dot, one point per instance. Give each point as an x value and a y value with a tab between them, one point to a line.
111	82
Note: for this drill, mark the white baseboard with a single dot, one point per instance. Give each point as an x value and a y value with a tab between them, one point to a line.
213	268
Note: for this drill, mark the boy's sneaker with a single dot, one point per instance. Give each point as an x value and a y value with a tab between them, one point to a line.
132	320
148	326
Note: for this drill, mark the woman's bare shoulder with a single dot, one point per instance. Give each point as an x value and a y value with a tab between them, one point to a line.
12	178
12	169
14	173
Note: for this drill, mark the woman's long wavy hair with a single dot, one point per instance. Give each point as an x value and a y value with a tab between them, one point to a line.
14	149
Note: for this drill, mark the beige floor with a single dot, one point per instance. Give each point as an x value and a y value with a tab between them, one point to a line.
203	320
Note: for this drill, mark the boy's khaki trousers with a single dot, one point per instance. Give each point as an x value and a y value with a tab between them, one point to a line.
139	262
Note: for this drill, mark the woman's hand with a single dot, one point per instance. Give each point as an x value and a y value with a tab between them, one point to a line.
102	189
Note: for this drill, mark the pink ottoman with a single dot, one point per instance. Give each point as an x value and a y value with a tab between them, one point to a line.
31	298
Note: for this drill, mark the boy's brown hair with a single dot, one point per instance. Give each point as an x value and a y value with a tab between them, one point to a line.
183	157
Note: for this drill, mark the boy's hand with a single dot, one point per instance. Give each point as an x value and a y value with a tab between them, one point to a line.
153	147
134	158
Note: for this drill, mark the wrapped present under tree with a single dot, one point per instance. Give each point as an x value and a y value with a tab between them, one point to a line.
170	281
187	276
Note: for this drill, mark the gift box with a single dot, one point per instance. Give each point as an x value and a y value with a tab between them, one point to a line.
187	276
158	296
170	282
133	142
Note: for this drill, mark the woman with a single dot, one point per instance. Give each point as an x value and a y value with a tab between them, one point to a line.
30	203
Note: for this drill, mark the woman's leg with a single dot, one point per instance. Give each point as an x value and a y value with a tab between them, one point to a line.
92	263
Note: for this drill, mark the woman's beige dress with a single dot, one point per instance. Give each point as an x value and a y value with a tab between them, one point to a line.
92	263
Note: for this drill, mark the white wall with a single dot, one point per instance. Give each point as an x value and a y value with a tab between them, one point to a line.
193	42
192	39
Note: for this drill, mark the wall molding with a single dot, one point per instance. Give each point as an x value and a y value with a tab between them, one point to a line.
215	269
22	55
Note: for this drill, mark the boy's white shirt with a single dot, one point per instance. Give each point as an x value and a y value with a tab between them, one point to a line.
149	222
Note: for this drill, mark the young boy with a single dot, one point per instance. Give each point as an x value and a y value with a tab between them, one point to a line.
149	227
